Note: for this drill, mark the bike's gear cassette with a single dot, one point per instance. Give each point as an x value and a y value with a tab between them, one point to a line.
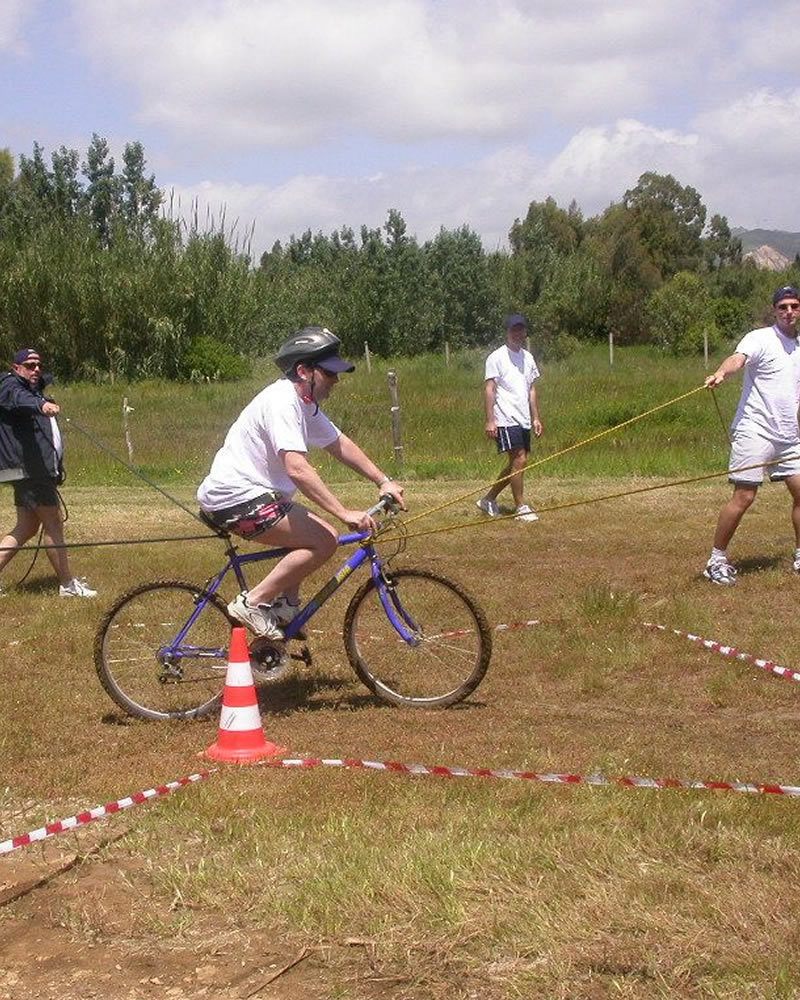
269	660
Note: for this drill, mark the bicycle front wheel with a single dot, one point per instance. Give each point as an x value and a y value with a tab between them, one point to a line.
450	648
156	662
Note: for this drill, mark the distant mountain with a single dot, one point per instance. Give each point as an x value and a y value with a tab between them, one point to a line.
767	258
786	243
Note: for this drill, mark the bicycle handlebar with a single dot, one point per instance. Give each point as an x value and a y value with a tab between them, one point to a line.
386	505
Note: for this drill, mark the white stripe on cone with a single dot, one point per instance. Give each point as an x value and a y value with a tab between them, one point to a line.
243	719
239	675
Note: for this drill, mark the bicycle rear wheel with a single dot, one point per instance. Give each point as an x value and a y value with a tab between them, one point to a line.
143	664
452	641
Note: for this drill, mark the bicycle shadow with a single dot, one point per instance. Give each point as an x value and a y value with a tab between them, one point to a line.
321	692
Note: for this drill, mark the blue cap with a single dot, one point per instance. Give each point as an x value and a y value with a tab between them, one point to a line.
515	319
787	292
23	354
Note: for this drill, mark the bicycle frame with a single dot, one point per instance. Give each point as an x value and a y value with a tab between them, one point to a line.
401	621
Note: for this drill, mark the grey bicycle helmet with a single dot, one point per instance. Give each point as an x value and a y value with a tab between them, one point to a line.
313	345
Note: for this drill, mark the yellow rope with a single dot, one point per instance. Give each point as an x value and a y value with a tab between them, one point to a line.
556	454
579	503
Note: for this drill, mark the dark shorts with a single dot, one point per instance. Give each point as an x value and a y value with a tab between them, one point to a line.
251	518
513	438
32	493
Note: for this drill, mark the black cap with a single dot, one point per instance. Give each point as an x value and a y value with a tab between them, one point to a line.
515	319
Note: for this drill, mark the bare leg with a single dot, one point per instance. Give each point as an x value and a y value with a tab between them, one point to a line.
733	512
54	535
502	479
26	527
793	484
312	540
519	459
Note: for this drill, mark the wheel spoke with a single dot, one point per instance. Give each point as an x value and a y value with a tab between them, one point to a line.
142	666
447	661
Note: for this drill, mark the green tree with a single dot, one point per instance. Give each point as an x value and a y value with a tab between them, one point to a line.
614	241
680	312
140	198
102	194
465	300
720	247
671	218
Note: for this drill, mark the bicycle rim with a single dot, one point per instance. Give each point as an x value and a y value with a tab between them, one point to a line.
451	650
141	665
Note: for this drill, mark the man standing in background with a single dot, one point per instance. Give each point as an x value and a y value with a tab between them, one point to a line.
31	457
512	410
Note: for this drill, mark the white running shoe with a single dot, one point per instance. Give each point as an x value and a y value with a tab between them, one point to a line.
261	619
795	567
488	506
283	611
525	513
76	588
720	571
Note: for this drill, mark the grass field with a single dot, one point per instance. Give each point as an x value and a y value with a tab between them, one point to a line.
403	887
423	887
175	429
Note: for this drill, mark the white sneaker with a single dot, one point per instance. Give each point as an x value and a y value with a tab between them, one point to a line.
720	571
524	513
261	619
76	588
795	567
283	611
488	506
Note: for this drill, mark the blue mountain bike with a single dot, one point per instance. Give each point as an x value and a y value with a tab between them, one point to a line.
414	638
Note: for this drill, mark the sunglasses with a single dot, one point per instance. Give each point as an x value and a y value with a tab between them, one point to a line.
31	364
786	306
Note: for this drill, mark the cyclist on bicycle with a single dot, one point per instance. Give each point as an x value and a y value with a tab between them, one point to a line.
263	461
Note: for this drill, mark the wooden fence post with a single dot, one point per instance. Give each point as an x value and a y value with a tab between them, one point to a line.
396	437
447	354
611	348
125	411
705	348
367	357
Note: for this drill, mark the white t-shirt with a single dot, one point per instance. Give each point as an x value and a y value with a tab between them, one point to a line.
513	372
249	463
771	390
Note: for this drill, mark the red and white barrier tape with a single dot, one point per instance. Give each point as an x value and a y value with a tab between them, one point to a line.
716	647
545	777
98	812
552	778
730	651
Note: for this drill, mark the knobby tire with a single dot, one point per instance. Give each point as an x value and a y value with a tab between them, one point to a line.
130	635
451	657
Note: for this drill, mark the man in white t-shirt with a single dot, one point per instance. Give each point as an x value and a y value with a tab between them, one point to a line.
512	409
263	461
764	431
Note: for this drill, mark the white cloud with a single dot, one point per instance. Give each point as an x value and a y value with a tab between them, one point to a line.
13	15
766	37
727	156
268	73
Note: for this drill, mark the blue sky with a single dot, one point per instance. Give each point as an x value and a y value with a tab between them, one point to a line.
322	113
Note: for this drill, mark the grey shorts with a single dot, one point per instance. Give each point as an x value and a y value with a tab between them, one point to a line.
252	517
753	450
33	493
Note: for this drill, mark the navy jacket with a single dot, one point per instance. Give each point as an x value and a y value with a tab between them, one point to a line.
26	434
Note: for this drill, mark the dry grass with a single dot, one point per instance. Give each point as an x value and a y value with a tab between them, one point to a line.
461	888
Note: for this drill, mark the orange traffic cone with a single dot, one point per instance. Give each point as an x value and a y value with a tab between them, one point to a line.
241	736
